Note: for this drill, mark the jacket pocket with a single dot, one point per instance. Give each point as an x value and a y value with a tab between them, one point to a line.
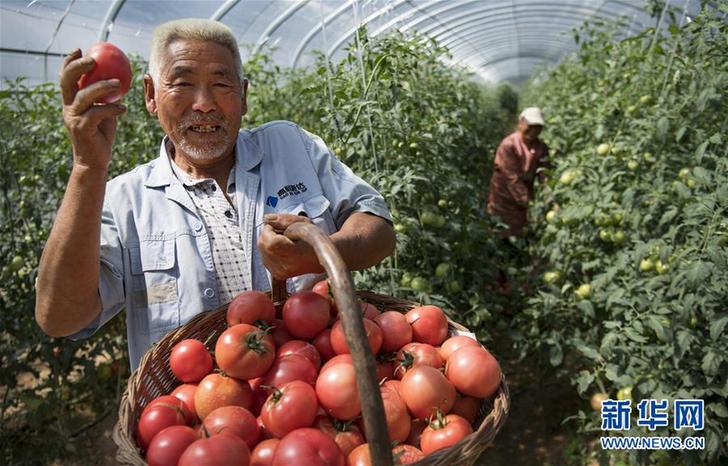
154	284
315	208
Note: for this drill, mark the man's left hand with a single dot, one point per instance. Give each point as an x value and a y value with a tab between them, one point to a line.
283	257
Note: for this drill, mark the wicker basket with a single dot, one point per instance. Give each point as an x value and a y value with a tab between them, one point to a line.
153	378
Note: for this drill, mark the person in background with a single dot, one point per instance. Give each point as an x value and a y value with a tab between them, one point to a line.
201	222
520	158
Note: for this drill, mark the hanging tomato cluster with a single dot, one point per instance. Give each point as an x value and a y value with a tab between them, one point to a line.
281	389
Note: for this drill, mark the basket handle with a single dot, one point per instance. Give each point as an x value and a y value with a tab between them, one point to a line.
364	364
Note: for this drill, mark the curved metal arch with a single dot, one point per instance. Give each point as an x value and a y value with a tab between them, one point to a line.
312	33
109	19
450	6
224	9
282	18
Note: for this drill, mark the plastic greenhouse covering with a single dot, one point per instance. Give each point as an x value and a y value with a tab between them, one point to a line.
497	40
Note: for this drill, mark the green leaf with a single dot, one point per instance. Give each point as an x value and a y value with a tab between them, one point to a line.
718	409
711	363
717	327
556	355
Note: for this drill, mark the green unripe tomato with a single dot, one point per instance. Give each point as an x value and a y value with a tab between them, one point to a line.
693	321
442	203
617	218
691	183
603	149
618	237
551	216
661	268
624	393
633	165
428	218
420	284
646	265
16	264
442	270
406	279
454	286
584	291
631	109
648	157
605	235
414	145
567	177
400	228
683	173
646	99
551	276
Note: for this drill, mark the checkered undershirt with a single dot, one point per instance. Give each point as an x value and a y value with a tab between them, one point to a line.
221	219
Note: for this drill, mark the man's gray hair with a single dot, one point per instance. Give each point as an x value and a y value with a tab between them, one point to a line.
205	30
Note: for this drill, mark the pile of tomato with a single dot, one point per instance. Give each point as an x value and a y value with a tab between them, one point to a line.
281	389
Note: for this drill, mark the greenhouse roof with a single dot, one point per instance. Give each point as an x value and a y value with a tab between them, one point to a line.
498	40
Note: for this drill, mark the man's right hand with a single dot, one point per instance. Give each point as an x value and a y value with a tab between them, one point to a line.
92	127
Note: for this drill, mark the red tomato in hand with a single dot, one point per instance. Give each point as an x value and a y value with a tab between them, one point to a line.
453	344
397	332
429	324
425	390
168	445
244	351
234	420
292	407
443	433
219	450
310	447
110	63
217	390
250	307
372	330
264	452
190	361
306	314
474	371
303	348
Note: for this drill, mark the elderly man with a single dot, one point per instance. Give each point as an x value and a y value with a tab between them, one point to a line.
199	224
520	157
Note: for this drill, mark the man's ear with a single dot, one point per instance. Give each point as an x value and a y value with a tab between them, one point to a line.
149	96
245	96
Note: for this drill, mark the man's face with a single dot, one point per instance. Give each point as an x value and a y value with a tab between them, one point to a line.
199	100
529	132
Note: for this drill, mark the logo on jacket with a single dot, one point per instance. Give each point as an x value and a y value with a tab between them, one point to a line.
291	190
272	201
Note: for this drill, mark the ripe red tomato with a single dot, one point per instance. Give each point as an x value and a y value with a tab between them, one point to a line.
337	391
263	453
372	330
168	445
429	324
453	344
310	447
347	436
234	420
385	367
250	307
218	390
406	454
368	310
396	414
324	289
425	390
360	456
186	393
289	368
306	314
110	62
397	332
279	333
244	351
303	348
474	371
292	407
322	342
444	432
176	403
413	354
416	428
219	450
260	394
154	420
467	407
190	361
